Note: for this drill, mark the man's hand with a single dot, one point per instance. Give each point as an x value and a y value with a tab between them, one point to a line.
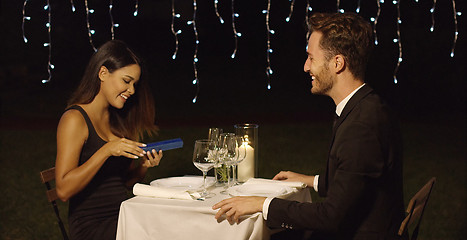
295	177
236	207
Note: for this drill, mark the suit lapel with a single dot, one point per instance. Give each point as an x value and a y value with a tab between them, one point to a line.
354	100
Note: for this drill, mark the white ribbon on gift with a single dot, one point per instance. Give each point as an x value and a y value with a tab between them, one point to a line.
161	192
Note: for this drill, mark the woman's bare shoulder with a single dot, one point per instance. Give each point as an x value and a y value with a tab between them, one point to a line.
72	121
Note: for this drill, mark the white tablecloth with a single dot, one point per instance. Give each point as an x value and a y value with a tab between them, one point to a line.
144	218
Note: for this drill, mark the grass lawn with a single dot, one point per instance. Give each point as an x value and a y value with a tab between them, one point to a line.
431	149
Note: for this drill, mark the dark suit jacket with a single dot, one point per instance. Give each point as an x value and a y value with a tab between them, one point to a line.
362	184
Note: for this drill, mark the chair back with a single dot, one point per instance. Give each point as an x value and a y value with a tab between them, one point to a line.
47	176
416	208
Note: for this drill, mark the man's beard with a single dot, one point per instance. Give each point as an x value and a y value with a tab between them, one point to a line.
324	82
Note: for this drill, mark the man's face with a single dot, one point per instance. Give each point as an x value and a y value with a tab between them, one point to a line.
317	66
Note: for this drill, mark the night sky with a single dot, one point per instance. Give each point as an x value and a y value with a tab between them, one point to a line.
430	82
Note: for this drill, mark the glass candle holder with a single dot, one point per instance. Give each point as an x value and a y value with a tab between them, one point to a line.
248	168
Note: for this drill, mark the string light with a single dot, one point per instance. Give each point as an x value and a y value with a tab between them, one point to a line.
292	4
398	40
88	25
135	13
112	24
24	19
72	6
307	17
195	55
358	7
217	12
375	19
269	50
338	7
432	10
236	34
455	26
50	66
175	33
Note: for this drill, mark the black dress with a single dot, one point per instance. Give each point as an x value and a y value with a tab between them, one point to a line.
93	212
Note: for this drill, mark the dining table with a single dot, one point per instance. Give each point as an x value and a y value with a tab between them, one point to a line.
148	217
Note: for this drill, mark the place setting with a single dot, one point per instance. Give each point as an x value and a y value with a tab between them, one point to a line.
233	158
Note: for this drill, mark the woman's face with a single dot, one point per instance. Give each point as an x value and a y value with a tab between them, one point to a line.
119	85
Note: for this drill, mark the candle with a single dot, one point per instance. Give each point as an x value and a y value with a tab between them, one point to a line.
246	168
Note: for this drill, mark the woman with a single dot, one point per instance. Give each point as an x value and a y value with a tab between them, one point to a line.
98	141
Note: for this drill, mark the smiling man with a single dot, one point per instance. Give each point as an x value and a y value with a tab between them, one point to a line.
362	183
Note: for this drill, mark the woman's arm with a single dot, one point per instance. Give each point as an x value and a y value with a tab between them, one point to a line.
71	135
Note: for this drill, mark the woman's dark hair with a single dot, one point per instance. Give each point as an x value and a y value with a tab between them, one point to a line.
347	34
138	115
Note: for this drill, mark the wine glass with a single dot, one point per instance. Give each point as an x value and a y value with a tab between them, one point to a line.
204	160
214	134
220	173
227	152
240	147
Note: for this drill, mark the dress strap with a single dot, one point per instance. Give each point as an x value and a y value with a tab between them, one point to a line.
91	129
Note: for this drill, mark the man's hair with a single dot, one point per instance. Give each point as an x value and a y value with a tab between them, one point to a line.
346	34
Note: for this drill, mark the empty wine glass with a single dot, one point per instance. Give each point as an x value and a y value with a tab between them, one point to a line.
220	173
214	134
227	152
204	160
240	146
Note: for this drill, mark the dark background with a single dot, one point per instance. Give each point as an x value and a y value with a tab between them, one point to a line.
430	82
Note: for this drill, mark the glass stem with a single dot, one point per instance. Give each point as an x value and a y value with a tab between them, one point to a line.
204	184
234	173
228	176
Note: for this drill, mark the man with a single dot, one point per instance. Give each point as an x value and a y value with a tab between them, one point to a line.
362	184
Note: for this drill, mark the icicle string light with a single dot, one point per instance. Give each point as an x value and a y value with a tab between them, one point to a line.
455	26
195	55
112	24
432	10
269	71
24	19
175	33
339	9
135	13
72	6
217	11
236	34
292	4
375	19
88	25
50	66
398	40
307	16
268	50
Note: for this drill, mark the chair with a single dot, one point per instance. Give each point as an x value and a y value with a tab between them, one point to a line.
415	209
47	176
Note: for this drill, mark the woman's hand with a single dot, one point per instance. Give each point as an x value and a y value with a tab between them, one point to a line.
152	158
125	147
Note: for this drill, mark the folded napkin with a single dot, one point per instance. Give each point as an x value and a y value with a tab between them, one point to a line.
270	181
161	192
